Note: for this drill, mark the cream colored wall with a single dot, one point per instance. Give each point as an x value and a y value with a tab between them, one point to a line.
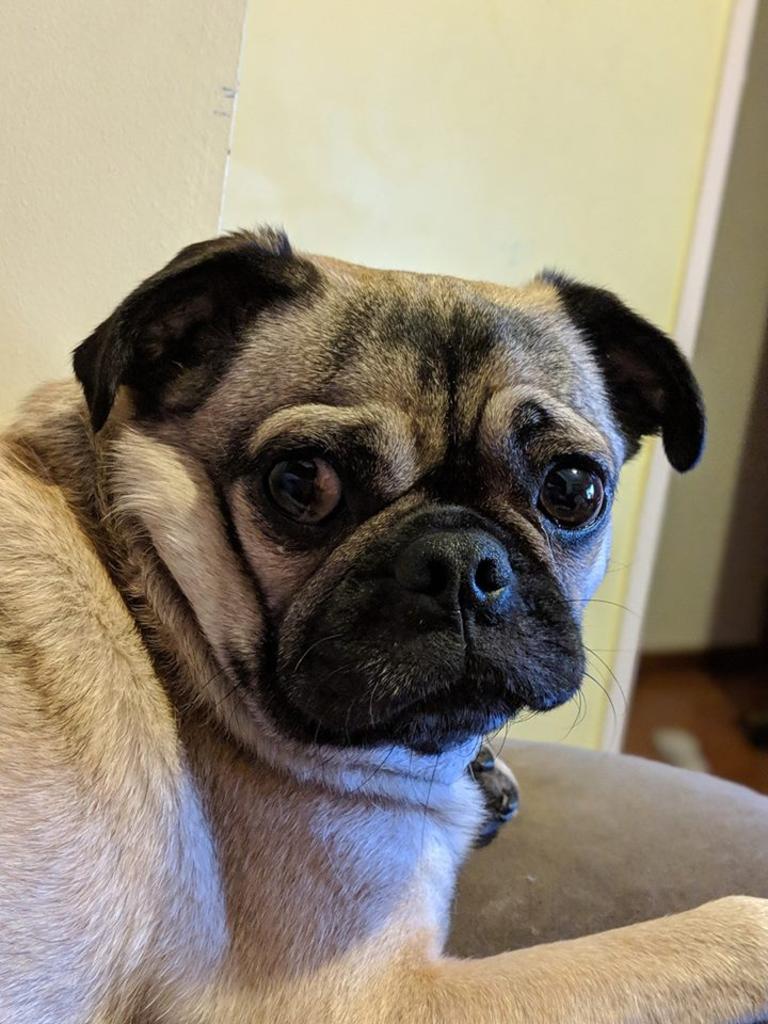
115	122
711	579
488	140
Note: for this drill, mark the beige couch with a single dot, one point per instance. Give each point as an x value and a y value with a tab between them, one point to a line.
604	840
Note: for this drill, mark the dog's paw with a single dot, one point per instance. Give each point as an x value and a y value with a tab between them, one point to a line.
500	790
735	931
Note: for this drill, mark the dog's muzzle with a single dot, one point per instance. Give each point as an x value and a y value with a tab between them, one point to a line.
444	628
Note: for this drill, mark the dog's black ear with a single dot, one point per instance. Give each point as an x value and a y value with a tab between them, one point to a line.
649	382
189	314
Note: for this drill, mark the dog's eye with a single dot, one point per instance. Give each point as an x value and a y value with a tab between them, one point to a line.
572	496
306	489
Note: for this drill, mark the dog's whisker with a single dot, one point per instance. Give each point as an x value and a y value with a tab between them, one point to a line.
610	671
497	753
600	600
578	700
212	679
526	716
374	773
313	646
600	686
583	706
227	695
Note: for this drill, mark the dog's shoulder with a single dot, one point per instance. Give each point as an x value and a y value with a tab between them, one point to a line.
46	553
42	447
63	622
60	610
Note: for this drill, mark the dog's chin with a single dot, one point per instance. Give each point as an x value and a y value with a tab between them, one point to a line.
426	727
436	730
432	722
436	724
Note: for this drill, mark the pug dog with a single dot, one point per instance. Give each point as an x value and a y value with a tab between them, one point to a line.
306	534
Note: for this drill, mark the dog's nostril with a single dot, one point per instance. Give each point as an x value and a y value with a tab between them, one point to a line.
438	576
490	576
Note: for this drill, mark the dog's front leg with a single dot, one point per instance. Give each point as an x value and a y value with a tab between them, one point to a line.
704	966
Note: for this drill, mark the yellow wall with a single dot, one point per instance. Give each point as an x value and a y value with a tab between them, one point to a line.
488	140
116	121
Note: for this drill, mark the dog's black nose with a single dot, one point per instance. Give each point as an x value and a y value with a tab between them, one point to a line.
457	569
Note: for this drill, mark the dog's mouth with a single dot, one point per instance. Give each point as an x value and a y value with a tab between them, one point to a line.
428	715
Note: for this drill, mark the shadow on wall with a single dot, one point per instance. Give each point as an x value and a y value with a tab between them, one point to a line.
744	566
711	577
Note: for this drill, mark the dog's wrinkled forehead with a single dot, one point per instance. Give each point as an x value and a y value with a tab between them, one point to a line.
444	361
237	328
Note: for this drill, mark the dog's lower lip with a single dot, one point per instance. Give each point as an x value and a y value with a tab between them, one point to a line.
436	706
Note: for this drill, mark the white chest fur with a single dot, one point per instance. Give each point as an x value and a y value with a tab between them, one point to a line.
322	889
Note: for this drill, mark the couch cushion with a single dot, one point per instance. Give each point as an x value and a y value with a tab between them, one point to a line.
601	841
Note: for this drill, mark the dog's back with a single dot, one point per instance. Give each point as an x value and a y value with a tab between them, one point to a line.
92	790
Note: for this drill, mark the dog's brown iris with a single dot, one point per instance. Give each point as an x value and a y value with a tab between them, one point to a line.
307	489
572	496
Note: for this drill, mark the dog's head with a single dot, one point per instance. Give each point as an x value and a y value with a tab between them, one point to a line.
385	496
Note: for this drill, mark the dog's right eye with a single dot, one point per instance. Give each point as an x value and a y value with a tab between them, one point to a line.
307	490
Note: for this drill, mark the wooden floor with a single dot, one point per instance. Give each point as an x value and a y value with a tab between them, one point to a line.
707	703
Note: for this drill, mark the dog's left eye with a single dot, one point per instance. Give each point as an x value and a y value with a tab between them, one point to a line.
572	496
306	489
